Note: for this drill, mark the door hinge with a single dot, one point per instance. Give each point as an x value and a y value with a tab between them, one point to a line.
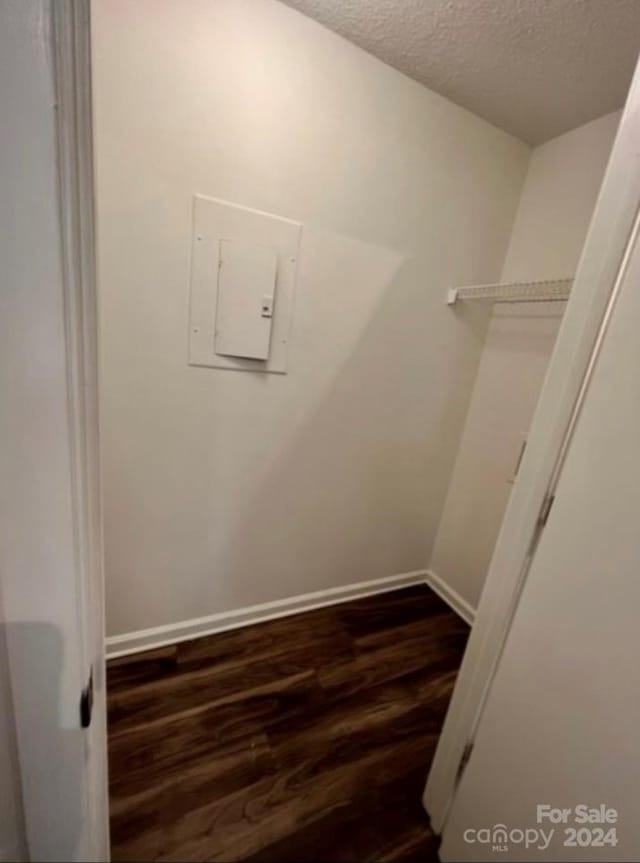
86	702
464	760
543	517
547	503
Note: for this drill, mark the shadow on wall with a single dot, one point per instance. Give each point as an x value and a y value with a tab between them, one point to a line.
47	743
370	462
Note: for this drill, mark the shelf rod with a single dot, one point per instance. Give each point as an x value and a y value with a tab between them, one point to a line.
547	291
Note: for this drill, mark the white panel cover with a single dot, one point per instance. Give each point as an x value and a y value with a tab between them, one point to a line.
246	280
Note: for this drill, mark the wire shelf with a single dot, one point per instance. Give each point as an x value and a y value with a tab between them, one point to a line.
547	291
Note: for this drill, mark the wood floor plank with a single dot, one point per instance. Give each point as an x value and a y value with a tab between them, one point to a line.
199	689
385	611
375	831
399	659
305	738
128	671
172	795
242	823
319	631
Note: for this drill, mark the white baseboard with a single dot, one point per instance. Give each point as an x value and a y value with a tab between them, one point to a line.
453	599
173	633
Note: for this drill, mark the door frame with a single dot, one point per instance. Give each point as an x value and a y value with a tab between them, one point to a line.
71	31
69	545
600	264
600	270
51	577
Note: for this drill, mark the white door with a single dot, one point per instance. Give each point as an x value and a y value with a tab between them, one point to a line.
49	503
603	256
560	727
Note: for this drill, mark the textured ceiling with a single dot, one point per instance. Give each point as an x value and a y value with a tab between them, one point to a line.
536	68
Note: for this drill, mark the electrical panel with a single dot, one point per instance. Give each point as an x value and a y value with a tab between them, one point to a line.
243	279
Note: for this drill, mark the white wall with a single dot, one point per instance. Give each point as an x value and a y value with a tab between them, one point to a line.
557	201
561	722
225	489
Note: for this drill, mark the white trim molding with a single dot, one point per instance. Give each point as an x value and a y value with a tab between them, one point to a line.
186	630
453	599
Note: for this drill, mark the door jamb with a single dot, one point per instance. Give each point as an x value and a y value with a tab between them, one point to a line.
71	27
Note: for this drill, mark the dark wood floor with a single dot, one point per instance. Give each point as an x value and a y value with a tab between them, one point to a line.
302	739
